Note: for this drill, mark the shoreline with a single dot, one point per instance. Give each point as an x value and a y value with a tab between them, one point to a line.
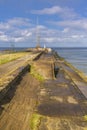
77	57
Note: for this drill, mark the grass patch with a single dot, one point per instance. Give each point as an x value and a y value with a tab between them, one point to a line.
85	117
10	57
35	121
36	74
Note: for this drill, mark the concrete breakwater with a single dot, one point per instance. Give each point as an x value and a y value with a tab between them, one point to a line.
78	78
54	103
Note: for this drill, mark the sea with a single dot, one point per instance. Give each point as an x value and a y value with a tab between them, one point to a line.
76	56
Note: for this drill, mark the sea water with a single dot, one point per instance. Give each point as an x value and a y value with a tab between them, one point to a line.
76	56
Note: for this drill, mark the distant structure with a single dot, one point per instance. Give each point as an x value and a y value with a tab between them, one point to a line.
44	46
38	35
38	47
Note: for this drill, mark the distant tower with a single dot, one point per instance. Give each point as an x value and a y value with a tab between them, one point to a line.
38	35
44	46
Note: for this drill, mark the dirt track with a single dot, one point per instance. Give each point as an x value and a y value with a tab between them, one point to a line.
58	102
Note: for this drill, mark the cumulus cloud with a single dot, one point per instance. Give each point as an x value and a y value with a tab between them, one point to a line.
4	26
64	12
65	30
72	28
4	38
15	30
18	39
71	32
19	21
65	37
75	24
13	23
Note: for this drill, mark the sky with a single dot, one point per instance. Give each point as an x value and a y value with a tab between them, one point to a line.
58	23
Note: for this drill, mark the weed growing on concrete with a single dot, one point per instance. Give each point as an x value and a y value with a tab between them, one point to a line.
35	121
85	117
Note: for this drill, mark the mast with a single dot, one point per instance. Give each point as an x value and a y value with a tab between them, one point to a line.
38	35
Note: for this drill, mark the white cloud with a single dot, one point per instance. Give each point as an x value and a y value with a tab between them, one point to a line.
24	33
28	34
66	30
53	10
10	30
4	38
71	32
19	21
19	39
74	24
64	12
12	24
49	40
4	26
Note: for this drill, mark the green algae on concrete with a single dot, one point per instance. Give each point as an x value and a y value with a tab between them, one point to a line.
35	121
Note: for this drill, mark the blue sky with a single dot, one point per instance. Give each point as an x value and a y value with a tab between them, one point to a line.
62	23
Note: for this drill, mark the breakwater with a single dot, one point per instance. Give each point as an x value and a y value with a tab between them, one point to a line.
57	102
